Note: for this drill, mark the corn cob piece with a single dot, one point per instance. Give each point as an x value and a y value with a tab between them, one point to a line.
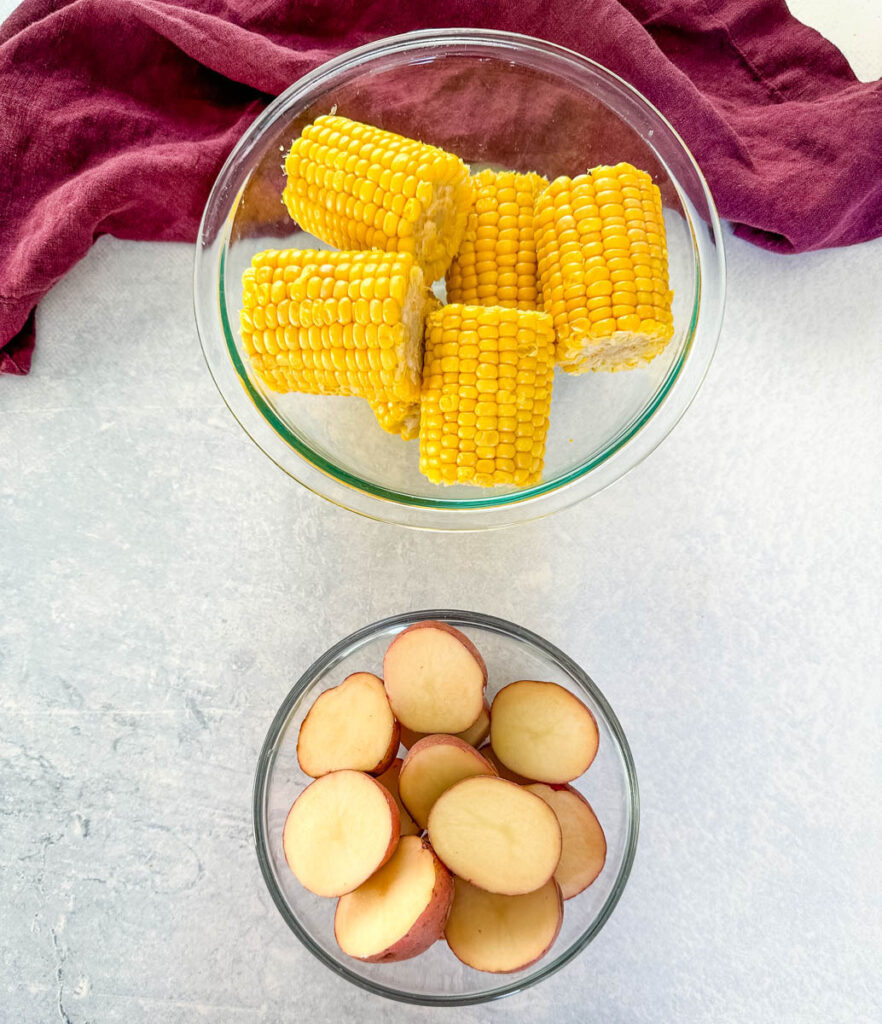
359	187
603	268
496	262
335	323
486	395
402	418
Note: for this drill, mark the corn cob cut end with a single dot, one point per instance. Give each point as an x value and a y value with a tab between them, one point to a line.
486	395
335	323
582	352
360	187
496	261
603	268
401	418
442	226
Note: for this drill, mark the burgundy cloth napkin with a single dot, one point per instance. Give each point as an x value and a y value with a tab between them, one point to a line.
116	115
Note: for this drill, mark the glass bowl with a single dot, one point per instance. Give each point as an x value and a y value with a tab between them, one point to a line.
496	99
437	978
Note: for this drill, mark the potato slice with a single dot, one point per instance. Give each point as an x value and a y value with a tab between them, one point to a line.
398	912
584	845
434	678
407	826
474	735
433	765
504	773
339	831
349	726
500	934
496	835
542	731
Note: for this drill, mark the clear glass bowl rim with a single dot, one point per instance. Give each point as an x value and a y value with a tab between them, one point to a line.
620	455
456	617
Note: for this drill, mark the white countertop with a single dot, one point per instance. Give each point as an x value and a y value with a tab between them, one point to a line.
162	585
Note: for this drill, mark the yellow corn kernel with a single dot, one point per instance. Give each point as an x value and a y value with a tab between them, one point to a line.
359	187
481	429
603	268
317	340
496	262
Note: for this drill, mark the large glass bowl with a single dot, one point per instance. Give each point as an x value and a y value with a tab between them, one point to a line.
437	978
496	99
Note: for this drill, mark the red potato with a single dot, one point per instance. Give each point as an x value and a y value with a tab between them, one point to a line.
433	765
495	835
434	678
398	912
349	726
339	831
474	735
389	779
501	934
504	773
542	731
584	845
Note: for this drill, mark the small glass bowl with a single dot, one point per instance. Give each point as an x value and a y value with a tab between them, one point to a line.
437	978
496	99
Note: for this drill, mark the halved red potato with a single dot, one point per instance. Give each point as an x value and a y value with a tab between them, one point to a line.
349	726
584	845
339	831
500	934
474	735
407	826
399	911
504	773
433	765
434	678
542	731
495	835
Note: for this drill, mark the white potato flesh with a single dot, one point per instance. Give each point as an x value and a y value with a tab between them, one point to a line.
496	835
348	726
503	933
434	679
432	767
339	830
474	735
542	731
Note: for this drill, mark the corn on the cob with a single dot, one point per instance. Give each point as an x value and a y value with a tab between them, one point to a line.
486	395
402	418
603	268
359	187
496	262
335	323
